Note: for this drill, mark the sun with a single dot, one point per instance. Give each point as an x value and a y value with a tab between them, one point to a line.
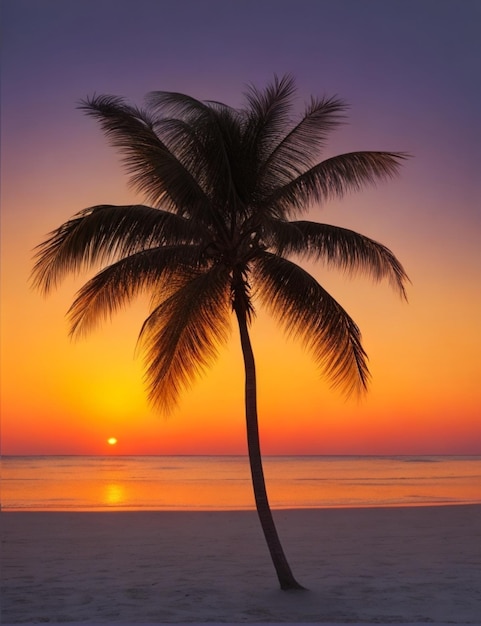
112	441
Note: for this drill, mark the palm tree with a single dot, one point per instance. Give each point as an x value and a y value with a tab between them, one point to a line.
224	187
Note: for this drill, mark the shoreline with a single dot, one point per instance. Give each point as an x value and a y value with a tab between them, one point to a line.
361	565
397	505
427	505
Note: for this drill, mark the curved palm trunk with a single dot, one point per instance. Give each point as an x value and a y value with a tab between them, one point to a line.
284	573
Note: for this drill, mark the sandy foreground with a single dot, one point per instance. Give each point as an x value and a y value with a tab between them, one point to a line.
398	565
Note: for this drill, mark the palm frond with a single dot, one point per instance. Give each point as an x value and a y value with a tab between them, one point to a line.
308	312
118	284
182	335
102	233
154	169
182	106
218	129
301	147
186	145
266	117
332	178
339	247
199	155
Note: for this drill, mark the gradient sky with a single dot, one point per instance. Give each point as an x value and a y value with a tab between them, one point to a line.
410	70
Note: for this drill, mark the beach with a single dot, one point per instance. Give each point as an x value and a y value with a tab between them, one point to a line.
366	565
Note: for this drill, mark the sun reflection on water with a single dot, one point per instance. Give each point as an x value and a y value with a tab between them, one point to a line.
114	494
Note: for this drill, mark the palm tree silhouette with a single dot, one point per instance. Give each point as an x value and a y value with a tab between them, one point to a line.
223	187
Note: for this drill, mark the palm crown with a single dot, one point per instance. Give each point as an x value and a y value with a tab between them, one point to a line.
226	188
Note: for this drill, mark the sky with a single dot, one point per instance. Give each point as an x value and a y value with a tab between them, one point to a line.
410	71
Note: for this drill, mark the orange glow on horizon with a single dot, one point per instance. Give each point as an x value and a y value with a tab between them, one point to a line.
94	386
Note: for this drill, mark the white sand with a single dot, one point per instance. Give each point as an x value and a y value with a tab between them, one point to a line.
402	565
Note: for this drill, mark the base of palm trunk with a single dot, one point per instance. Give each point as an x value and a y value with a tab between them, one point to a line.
279	560
292	586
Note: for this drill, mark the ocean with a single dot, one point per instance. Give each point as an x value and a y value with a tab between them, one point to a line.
196	483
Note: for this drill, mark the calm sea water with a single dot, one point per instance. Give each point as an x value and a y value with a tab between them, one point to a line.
93	483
